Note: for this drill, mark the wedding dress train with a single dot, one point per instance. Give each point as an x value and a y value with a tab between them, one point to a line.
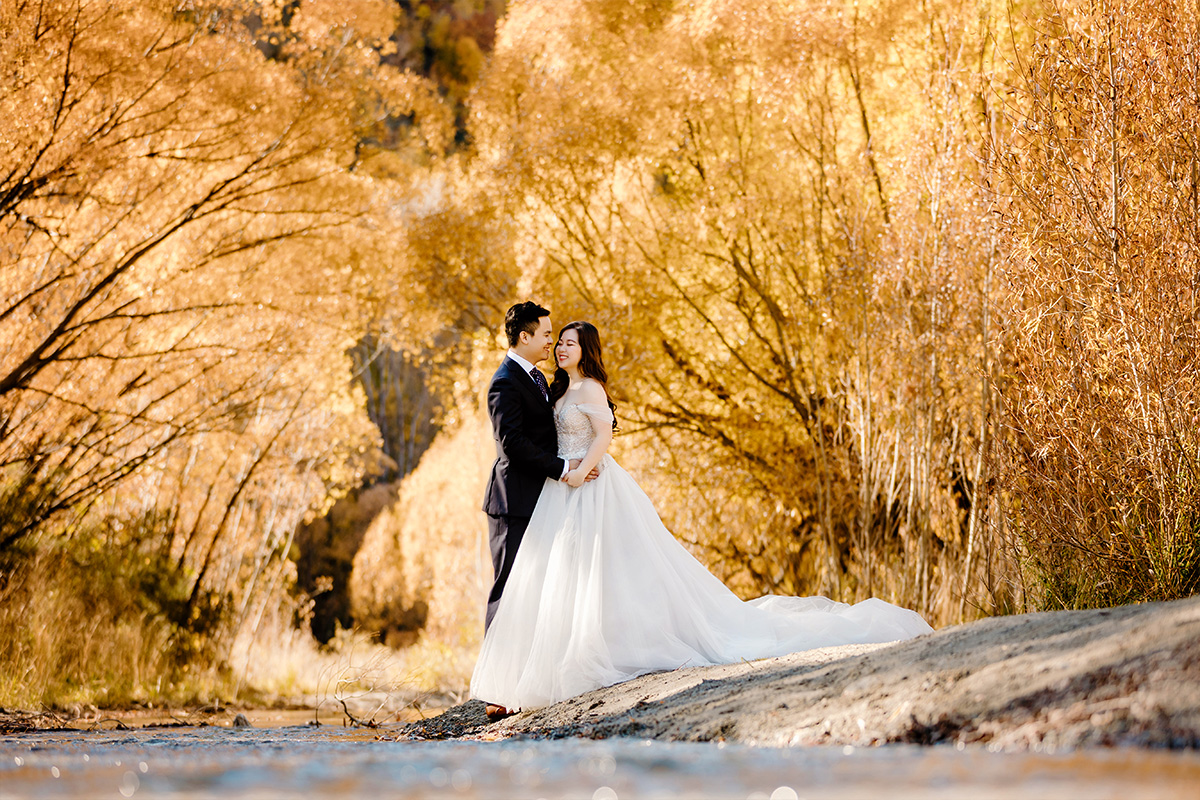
601	592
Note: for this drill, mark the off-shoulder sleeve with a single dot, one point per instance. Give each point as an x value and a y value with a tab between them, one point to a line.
597	411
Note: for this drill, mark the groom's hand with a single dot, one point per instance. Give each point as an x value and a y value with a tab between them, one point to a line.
575	462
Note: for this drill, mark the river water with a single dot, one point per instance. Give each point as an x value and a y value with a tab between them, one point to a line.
334	762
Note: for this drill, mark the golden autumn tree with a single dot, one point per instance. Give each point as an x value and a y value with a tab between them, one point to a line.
776	215
192	237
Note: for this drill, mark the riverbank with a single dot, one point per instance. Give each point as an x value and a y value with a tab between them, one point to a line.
1045	681
368	710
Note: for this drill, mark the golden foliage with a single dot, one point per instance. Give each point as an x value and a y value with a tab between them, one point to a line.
1103	401
424	565
190	240
898	300
775	213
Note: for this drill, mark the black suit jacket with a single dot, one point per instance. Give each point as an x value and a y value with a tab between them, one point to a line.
526	443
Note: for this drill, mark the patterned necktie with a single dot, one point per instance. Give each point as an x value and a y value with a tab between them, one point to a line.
540	380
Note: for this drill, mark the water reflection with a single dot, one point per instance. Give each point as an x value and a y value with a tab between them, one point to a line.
344	763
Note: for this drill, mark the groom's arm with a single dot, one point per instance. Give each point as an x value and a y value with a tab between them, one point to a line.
504	407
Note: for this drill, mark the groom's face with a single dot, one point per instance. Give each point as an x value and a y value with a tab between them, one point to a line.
536	347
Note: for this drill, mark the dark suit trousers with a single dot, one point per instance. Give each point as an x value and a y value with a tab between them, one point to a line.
504	535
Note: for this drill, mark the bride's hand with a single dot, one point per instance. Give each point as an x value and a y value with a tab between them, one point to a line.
576	477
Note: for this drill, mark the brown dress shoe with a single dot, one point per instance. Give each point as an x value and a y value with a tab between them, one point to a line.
495	712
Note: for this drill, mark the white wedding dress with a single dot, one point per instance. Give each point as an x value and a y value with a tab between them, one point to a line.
601	592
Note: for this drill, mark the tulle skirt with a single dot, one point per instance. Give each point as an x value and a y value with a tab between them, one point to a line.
601	592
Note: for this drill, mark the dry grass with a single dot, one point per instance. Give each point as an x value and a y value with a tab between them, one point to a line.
82	627
285	664
73	629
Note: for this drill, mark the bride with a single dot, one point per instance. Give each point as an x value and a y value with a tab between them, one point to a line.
601	592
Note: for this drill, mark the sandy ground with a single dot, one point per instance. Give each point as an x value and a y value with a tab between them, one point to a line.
1121	676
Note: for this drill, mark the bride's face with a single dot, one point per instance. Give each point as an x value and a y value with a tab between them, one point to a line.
567	351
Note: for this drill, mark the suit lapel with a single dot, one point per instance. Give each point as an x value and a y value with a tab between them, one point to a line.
526	380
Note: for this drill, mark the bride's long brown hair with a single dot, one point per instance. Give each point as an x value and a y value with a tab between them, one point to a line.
591	363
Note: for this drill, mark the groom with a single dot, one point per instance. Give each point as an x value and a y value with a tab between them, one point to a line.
526	442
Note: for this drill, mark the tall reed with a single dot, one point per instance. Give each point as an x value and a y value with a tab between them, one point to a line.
1100	453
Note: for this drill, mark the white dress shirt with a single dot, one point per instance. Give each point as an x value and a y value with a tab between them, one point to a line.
525	365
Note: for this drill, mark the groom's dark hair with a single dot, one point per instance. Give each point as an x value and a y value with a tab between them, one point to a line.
523	317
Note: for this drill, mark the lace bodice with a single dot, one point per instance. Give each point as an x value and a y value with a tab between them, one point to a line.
574	425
